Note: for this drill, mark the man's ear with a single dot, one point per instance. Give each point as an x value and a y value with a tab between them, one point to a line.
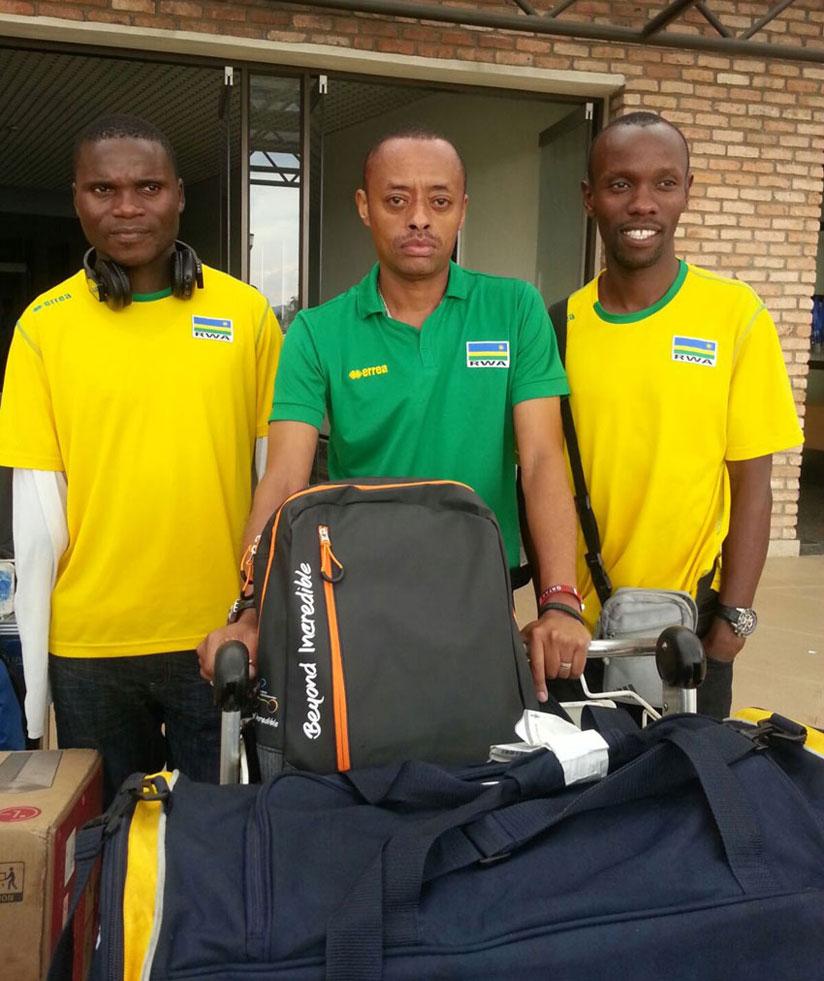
74	197
362	204
463	213
688	185
586	194
182	196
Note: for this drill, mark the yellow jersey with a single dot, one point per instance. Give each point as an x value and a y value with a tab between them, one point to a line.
152	413
661	399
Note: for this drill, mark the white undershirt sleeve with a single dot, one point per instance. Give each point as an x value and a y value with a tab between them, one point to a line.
40	538
261	449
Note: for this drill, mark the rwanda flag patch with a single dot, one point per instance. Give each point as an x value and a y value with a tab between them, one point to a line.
694	350
487	354
212	329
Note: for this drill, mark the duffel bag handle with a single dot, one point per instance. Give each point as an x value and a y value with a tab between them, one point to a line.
428	785
383	907
708	752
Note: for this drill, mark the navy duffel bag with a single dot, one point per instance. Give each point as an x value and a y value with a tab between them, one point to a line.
699	856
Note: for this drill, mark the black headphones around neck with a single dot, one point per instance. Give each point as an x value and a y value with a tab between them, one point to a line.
114	287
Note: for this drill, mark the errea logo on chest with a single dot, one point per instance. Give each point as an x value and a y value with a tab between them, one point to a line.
376	369
487	354
212	329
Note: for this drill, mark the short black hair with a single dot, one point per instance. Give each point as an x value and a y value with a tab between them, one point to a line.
121	126
410	133
643	119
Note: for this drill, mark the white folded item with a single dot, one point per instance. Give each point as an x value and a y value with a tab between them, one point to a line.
583	755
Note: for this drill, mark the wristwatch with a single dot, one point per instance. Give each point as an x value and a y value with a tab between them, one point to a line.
742	619
239	607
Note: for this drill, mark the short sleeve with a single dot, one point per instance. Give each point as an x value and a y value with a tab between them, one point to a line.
28	435
761	414
300	384
538	369
268	343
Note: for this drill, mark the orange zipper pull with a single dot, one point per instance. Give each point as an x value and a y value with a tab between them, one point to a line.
247	564
328	557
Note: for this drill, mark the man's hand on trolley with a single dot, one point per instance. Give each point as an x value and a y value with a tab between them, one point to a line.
245	630
557	645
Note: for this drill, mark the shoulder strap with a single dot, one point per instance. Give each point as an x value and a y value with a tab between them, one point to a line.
589	526
558	316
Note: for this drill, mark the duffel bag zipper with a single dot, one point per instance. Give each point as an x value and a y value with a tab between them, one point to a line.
331	572
260	872
111	900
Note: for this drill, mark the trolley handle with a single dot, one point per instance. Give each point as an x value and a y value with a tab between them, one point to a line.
622	647
232	692
679	654
231	676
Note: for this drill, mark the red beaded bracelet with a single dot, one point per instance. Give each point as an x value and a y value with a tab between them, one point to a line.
550	591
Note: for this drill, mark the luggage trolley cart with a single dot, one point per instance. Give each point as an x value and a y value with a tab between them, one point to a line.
679	658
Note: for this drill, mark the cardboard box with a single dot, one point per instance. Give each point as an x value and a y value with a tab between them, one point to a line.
45	798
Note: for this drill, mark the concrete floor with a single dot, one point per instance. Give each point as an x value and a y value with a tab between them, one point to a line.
782	666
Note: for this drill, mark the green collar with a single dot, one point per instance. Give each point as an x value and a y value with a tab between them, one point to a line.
149	297
631	318
370	302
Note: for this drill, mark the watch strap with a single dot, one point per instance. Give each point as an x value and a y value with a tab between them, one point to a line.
742	618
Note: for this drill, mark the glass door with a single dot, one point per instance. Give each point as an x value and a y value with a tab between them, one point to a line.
275	180
565	236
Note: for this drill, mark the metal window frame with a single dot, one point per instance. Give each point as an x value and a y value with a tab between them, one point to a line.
653	32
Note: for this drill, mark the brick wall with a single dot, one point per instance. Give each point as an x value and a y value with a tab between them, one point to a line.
756	127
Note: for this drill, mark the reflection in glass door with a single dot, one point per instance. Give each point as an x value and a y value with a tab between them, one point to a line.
274	192
565	237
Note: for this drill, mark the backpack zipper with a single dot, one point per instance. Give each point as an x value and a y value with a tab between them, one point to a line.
331	572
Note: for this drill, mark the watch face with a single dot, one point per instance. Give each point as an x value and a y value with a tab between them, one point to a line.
746	622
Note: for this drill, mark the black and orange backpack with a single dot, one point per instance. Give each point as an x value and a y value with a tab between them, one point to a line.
386	628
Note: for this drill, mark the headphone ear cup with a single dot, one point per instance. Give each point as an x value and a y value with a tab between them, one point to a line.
111	279
120	290
186	271
176	274
90	269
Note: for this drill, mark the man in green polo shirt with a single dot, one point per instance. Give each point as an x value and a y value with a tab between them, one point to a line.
429	370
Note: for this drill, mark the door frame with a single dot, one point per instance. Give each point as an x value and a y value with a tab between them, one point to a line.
592	89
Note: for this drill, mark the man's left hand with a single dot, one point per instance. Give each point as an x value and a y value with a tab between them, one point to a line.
557	646
721	643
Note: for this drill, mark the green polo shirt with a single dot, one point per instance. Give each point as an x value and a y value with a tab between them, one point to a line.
430	403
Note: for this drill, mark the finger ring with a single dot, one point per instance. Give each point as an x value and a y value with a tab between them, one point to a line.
566	664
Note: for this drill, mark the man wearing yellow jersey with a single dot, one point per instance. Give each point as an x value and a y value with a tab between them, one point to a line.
134	396
680	396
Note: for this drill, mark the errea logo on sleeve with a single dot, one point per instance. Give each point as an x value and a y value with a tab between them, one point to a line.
487	354
51	302
212	329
